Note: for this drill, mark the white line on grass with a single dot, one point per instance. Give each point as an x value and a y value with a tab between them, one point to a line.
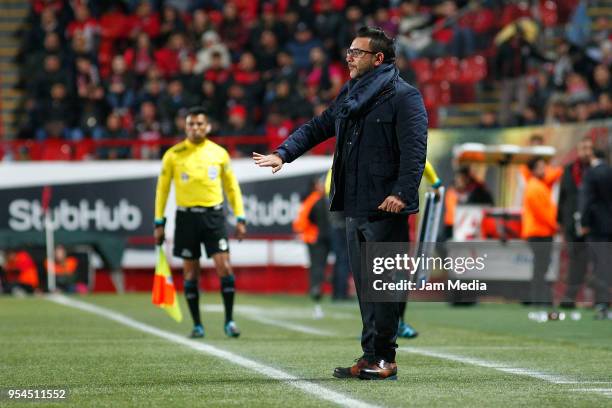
555	379
258	316
605	391
286	312
306	386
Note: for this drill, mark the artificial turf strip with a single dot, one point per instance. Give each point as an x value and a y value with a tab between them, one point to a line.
106	364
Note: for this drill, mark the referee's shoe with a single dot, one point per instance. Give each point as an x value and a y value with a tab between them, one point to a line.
197	332
231	330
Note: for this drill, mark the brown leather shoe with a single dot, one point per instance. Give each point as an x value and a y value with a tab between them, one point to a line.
352	371
381	370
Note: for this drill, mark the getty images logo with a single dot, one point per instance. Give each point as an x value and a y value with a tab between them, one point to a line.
25	215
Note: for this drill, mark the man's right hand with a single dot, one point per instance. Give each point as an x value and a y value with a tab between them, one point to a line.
270	160
159	235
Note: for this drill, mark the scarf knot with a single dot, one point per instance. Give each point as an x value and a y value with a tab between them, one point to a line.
361	91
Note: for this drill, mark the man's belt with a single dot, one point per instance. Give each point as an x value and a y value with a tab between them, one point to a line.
199	209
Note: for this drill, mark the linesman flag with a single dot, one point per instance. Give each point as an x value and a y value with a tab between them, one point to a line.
164	294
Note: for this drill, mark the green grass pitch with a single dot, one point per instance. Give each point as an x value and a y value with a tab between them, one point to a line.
487	355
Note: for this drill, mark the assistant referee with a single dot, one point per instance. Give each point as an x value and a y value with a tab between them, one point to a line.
201	172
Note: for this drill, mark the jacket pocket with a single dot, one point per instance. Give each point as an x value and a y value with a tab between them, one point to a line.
378	130
382	177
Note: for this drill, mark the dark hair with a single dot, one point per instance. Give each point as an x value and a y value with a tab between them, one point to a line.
197	110
379	42
532	163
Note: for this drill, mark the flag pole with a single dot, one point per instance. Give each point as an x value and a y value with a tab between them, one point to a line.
49	239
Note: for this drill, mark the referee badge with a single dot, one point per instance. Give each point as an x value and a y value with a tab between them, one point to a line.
213	172
184	176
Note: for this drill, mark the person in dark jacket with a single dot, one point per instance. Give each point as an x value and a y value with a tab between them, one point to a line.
596	210
568	219
381	127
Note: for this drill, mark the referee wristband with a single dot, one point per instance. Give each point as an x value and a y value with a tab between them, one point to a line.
241	220
160	222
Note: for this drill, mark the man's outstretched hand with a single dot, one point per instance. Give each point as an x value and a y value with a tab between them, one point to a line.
270	160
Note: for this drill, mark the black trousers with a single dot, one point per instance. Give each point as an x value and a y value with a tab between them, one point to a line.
380	319
540	289
601	254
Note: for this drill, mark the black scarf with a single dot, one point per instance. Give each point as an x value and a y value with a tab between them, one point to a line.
362	90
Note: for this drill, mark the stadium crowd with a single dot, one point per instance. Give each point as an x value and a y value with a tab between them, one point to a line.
127	70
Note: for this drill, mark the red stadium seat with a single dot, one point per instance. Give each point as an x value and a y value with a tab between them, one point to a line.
446	69
436	94
473	69
422	69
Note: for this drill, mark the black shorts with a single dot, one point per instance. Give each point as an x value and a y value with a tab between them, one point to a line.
199	225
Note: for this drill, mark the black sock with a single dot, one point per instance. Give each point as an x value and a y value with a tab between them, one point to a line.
227	292
402	309
192	295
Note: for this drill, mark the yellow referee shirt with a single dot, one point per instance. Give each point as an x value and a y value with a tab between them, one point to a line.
201	173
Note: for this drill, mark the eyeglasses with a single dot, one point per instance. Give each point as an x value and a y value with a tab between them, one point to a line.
357	52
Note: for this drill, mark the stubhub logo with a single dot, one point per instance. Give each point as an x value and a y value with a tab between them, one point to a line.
26	215
278	210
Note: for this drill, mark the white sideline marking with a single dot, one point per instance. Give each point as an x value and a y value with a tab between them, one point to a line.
289	312
258	315
605	391
555	379
306	386
289	326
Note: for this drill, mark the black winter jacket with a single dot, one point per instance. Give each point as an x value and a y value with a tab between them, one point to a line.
385	156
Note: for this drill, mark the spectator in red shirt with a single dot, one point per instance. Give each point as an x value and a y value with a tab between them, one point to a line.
145	20
278	127
168	58
140	57
114	24
245	72
85	25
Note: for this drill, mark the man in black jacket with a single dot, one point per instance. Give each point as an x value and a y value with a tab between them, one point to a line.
381	128
596	209
568	219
